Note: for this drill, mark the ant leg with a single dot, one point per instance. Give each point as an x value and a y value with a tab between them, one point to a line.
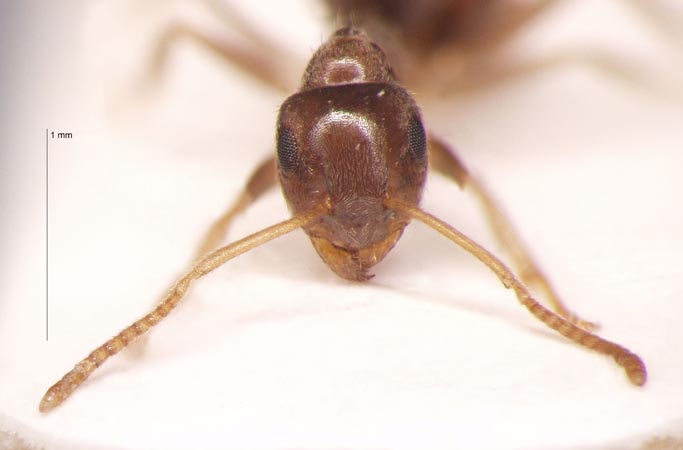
260	181
660	18
261	67
485	69
231	18
631	363
61	390
485	63
505	20
444	160
260	58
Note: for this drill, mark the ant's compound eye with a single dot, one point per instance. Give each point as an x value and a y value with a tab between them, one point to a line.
287	150
417	141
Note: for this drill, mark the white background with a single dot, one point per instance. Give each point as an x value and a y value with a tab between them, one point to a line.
275	351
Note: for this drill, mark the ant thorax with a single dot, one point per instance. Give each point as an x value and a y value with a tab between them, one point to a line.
347	57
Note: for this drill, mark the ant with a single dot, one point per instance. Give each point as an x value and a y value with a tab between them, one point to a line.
352	156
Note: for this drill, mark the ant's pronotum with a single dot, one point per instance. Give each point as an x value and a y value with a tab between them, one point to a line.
352	159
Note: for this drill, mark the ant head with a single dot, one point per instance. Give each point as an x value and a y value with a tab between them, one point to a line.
347	57
351	146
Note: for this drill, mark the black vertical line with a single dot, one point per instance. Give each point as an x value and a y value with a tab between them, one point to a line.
47	237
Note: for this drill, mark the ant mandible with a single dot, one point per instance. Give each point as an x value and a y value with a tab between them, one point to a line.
352	159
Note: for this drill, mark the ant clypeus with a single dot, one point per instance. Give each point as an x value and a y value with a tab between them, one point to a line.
352	159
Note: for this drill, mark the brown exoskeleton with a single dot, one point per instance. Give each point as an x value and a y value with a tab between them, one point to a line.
447	44
436	45
352	158
458	46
